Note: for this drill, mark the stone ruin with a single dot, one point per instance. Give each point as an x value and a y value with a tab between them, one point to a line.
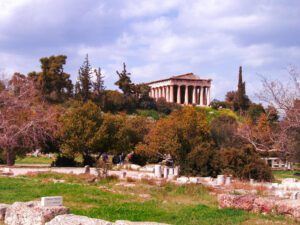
289	189
53	213
166	172
260	204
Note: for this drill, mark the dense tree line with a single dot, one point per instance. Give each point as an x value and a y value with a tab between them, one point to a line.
45	110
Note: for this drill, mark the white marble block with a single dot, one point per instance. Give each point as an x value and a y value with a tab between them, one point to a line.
220	179
157	171
166	172
52	201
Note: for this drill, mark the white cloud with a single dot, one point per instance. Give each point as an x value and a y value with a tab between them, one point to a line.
8	8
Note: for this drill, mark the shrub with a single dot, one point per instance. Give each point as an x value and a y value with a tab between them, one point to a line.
244	163
64	161
138	159
216	104
114	101
255	111
223	130
147	103
202	161
2	157
163	106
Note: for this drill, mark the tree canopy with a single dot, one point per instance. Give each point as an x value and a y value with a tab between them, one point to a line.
54	84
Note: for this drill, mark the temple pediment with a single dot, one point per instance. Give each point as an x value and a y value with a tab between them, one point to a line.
187	76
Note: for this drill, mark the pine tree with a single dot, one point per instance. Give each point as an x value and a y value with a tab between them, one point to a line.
52	82
124	81
85	73
98	85
70	89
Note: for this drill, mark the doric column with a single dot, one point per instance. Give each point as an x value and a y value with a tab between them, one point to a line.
186	95
178	95
208	96
198	95
194	94
171	93
159	92
201	95
168	94
205	97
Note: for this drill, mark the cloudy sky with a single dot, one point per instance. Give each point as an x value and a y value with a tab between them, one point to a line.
156	38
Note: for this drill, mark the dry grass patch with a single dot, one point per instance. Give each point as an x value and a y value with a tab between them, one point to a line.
131	180
259	189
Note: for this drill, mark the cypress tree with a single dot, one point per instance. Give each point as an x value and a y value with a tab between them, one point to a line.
77	90
242	99
84	78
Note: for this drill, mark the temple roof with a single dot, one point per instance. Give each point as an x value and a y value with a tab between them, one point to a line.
187	76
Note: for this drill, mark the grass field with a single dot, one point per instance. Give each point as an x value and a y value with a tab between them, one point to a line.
34	160
281	174
136	201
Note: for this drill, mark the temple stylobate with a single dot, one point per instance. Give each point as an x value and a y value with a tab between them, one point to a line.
187	89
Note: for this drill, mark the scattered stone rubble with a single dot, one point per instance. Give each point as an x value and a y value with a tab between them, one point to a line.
33	213
261	204
209	181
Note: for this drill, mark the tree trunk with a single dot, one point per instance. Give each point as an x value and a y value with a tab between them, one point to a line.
10	158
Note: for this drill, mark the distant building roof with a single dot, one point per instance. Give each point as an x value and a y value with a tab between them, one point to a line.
187	76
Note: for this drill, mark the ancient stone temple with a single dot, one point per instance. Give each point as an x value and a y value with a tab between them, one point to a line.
187	89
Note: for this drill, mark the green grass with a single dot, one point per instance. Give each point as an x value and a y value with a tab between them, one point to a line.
211	113
191	204
149	113
34	160
281	174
